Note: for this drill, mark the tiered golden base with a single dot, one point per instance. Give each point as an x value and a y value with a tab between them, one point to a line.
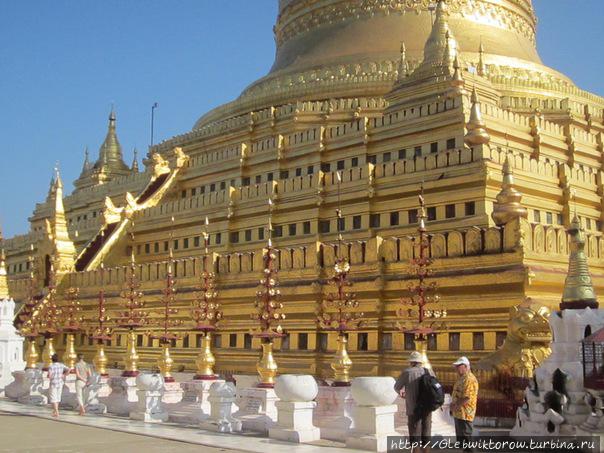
100	360
47	353
341	364
70	356
131	357
165	363
205	360
267	367
31	355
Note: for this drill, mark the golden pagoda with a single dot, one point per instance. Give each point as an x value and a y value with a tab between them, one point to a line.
466	93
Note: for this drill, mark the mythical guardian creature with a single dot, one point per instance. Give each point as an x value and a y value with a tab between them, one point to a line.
527	343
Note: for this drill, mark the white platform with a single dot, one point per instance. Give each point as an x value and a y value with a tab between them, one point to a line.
249	443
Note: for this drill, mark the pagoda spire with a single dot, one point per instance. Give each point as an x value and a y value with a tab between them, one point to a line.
477	133
59	222
51	187
578	288
134	167
441	46
86	166
508	205
110	154
57	228
403	65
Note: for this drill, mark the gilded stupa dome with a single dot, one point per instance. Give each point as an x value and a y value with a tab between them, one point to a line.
329	49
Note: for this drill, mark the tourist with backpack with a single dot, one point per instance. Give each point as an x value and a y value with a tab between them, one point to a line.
423	394
463	401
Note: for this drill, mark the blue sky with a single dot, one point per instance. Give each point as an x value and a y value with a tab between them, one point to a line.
62	64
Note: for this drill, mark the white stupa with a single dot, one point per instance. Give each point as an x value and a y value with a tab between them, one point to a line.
555	402
11	344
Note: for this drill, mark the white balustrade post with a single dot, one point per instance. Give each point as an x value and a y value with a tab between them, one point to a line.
295	409
373	414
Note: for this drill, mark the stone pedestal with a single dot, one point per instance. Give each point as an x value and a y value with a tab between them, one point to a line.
150	392
373	425
243	382
221	399
92	392
11	344
173	393
194	405
123	397
294	422
374	413
257	410
295	409
27	388
333	414
105	389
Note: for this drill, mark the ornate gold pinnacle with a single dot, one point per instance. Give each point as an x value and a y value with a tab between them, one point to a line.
131	357
267	367
508	206
31	355
100	359
70	356
477	133
206	312
338	310
578	288
268	311
205	360
341	363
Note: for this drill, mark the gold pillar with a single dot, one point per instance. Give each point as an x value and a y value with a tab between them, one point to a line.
70	356
341	364
100	359
165	363
31	355
131	358
421	346
47	353
267	367
205	360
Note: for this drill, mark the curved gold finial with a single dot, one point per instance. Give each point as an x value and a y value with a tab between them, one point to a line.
578	288
508	205
477	133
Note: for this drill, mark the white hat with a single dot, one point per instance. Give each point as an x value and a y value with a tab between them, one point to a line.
462	361
416	357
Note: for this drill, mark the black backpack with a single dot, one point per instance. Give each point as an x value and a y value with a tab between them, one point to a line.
430	394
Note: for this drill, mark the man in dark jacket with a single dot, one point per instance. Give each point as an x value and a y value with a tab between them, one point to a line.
407	386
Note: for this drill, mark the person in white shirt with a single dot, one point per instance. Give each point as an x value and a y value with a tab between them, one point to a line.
56	374
82	371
